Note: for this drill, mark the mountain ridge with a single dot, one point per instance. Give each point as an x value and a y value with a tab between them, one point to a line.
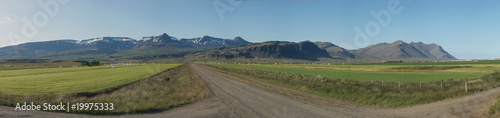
304	50
334	50
32	50
166	46
400	49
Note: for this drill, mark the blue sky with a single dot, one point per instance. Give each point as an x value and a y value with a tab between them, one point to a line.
468	29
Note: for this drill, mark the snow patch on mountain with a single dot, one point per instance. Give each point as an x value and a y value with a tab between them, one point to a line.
106	40
214	41
71	41
146	39
204	41
154	39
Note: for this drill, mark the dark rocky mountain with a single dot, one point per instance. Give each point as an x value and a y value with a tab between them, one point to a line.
402	50
104	45
208	42
164	38
433	49
271	49
205	42
37	49
98	47
334	50
118	43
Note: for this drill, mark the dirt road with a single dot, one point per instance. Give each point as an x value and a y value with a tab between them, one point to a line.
233	98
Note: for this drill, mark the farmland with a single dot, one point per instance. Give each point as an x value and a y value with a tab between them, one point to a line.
70	80
377	85
133	89
402	72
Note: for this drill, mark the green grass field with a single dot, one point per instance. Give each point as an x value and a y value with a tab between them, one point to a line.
72	80
132	89
372	93
401	72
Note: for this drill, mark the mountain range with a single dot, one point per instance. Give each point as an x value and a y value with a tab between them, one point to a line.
113	47
305	50
165	46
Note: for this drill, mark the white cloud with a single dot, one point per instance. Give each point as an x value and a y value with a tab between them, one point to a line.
5	20
8	19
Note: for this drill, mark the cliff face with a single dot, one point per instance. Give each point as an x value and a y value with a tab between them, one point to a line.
272	49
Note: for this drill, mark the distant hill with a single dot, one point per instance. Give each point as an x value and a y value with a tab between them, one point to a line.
307	50
208	42
36	49
113	47
334	50
403	50
271	49
433	49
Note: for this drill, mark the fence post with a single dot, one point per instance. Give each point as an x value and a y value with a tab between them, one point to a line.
420	84
441	84
466	86
382	82
399	84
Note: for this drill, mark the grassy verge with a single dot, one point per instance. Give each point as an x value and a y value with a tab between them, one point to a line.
164	90
495	108
377	93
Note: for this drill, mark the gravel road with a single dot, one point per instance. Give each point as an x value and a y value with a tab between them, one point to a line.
233	98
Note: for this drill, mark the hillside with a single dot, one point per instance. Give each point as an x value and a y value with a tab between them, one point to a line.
334	50
403	50
271	49
113	47
165	46
307	50
208	42
432	49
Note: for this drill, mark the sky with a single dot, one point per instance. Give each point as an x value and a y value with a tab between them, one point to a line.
467	29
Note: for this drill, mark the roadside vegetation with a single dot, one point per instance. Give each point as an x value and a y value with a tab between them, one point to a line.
131	89
495	108
372	93
173	88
